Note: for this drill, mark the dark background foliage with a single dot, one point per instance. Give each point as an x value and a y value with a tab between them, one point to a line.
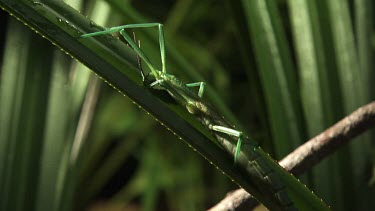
283	71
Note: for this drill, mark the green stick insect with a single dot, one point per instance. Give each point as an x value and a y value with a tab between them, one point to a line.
178	90
249	156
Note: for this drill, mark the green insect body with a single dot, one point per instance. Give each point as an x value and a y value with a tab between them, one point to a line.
247	155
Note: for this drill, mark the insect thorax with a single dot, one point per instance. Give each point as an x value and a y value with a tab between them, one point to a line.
172	79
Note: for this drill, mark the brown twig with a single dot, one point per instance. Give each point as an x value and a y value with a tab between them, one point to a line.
310	153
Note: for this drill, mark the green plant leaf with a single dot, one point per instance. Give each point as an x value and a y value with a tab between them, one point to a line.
115	63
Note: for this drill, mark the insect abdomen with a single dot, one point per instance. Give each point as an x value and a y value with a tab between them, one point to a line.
267	179
255	165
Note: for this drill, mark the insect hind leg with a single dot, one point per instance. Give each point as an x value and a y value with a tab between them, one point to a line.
231	132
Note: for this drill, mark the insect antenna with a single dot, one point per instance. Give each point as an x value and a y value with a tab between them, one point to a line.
145	76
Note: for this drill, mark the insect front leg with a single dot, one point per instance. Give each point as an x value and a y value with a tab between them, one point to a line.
121	30
231	132
201	87
147	25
